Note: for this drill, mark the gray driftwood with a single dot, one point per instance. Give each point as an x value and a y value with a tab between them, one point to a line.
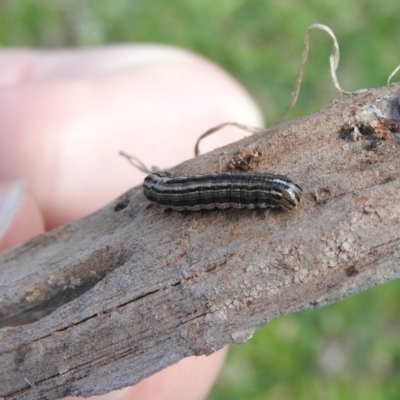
131	289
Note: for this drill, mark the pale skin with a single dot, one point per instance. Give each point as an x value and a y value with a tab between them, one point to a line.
65	115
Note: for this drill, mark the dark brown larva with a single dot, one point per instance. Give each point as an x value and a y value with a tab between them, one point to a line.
224	190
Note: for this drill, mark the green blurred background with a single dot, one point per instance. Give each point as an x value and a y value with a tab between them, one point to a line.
350	350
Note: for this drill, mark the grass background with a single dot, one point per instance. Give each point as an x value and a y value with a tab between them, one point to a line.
350	350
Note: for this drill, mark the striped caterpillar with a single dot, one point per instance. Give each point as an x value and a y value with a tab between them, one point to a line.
223	190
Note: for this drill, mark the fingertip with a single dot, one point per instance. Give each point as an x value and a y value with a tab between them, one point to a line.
154	104
20	216
190	379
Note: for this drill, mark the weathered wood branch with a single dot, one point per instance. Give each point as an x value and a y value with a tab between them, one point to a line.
131	289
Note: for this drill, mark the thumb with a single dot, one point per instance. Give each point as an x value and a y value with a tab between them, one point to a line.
20	216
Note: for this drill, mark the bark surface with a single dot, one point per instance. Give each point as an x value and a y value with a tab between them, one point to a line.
131	289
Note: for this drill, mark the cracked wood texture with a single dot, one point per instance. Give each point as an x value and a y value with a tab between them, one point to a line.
131	289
